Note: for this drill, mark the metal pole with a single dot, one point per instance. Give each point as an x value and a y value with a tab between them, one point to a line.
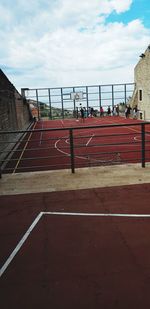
75	108
71	150
100	98
62	103
87	99
143	143
112	96
38	105
125	93
50	107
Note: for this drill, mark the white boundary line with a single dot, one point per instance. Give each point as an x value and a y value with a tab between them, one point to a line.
62	123
86	157
139	140
64	152
20	244
81	157
90	139
23	150
34	223
86	214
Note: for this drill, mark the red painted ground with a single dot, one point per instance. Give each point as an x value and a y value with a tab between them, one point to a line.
49	150
77	262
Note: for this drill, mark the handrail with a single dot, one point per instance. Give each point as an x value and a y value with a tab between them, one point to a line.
57	151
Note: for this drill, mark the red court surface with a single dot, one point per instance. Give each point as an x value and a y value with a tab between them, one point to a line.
76	249
43	149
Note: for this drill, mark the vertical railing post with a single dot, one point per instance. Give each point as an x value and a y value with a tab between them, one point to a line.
50	105
71	150
112	96
62	103
125	93
143	143
87	99
100	98
38	104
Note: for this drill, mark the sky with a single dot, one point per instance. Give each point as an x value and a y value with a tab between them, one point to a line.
59	43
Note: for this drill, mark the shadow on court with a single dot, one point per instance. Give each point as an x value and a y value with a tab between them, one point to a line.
85	248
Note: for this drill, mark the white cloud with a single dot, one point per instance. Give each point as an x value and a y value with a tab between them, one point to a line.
120	6
5	16
87	13
68	43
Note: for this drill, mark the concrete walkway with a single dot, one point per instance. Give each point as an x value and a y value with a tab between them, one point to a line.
84	178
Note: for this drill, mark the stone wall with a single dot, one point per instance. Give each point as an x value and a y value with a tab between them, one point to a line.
141	96
14	112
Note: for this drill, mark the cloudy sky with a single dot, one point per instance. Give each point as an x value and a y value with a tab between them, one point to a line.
54	43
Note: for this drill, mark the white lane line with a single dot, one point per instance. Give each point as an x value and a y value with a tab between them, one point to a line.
20	244
96	214
89	140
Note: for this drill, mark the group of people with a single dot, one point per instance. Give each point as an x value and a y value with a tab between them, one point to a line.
128	111
114	111
90	112
84	113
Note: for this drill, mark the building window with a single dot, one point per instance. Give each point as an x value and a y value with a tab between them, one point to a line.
140	95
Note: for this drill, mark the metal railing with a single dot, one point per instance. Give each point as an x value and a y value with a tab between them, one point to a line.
59	102
75	147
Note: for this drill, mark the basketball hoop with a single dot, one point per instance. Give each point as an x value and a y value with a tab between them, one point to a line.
76	96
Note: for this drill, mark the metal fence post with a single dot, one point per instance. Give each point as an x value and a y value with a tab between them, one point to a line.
143	144
71	150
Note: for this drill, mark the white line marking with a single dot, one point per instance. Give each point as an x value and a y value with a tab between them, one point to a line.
65	153
67	141
139	140
32	226
96	214
68	154
62	123
87	157
89	140
23	150
20	244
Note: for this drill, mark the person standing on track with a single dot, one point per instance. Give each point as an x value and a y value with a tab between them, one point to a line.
135	112
82	112
109	111
117	110
127	111
101	111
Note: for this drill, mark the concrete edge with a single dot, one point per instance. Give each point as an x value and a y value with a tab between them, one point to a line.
83	178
